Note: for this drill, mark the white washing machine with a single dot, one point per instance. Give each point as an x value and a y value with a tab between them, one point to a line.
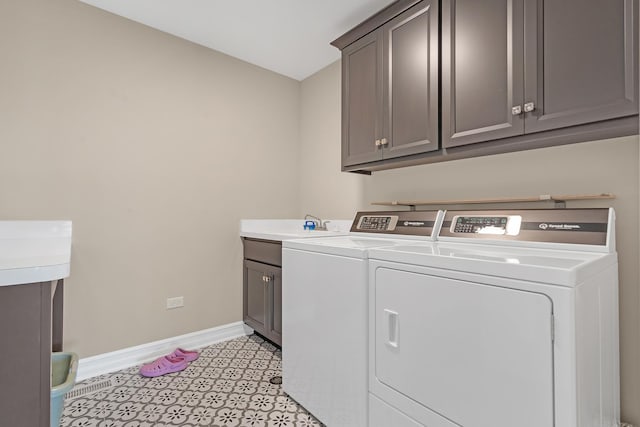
324	313
510	319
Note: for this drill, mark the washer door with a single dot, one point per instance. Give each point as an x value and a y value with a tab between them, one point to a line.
477	355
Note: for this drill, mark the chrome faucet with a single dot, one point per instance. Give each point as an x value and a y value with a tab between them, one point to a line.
320	224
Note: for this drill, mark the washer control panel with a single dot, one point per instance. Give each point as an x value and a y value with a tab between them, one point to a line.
411	223
480	224
377	223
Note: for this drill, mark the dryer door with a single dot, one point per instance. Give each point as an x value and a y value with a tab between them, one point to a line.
477	355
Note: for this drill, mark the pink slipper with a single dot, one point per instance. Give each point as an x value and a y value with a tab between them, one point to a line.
163	365
187	355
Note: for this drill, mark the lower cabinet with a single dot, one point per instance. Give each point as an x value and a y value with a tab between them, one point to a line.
30	328
262	293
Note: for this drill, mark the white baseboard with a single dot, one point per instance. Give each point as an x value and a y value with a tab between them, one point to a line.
93	366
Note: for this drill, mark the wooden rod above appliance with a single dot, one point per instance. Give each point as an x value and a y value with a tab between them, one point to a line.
559	200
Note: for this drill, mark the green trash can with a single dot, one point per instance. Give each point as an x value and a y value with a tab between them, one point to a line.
64	367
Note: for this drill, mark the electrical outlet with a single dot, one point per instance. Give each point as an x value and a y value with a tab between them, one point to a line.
175	302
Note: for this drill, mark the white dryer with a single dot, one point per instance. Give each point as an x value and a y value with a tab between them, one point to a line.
510	319
324	313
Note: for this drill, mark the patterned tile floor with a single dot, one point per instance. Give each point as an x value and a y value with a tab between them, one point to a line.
228	385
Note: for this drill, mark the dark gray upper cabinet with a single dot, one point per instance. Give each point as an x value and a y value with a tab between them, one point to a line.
515	67
422	84
482	70
361	100
390	88
580	62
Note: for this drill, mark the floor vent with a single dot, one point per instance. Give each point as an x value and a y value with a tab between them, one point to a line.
276	380
85	389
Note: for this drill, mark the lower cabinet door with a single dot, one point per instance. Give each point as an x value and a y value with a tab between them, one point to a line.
263	299
255	296
276	305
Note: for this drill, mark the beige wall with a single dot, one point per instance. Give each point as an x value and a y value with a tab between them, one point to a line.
592	167
324	191
155	148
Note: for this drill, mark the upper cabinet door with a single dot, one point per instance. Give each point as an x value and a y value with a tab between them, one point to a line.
410	76
361	98
482	70
580	63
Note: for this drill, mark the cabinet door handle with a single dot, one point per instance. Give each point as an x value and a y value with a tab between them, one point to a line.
266	279
378	143
384	141
529	107
516	110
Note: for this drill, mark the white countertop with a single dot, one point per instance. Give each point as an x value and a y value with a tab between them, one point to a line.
287	229
34	251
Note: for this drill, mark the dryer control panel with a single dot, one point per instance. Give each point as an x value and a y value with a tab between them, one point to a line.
483	224
574	226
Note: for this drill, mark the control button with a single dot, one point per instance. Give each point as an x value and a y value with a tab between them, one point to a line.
375	223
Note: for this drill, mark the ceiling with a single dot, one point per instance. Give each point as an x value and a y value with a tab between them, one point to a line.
290	37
